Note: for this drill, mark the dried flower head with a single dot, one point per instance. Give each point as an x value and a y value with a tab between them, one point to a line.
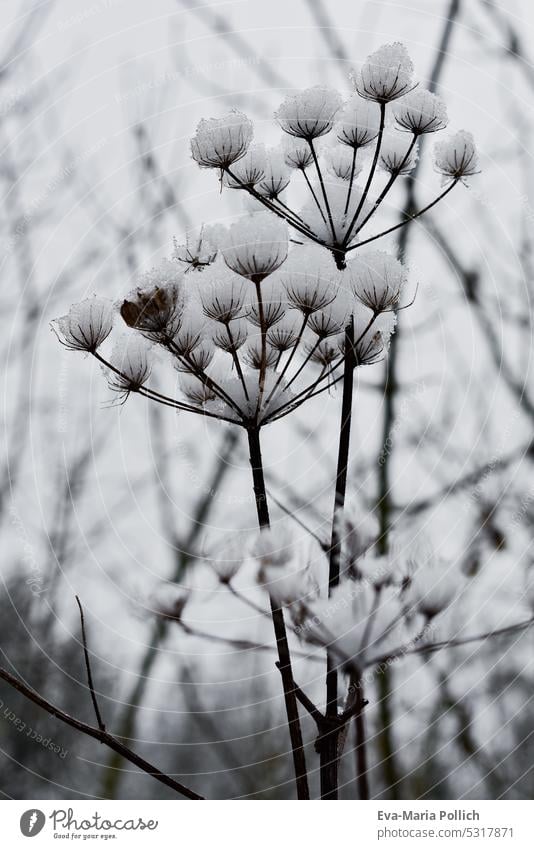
359	122
284	334
256	246
277	175
398	153
155	307
232	336
86	326
341	163
196	391
131	365
297	153
456	157
219	142
223	300
386	74
308	277
310	113
250	169
421	112
377	280
256	358
433	587
200	249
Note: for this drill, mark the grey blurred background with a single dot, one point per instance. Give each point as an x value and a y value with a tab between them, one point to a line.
98	101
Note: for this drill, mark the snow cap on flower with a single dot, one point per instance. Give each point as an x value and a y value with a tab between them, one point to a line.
132	365
155	307
310	113
284	334
87	324
223	299
398	154
219	142
309	278
249	170
377	279
229	560
433	587
256	246
372	335
277	175
340	162
200	248
297	152
386	74
456	157
359	122
231	336
253	354
421	112
354	626
331	320
195	390
283	571
192	330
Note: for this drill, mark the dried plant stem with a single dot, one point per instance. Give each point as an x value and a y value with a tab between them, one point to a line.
284	657
362	779
329	746
98	734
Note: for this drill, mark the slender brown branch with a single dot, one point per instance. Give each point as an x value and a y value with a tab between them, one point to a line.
98	734
98	715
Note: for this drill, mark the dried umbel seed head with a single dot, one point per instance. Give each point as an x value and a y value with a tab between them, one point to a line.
224	300
199	358
256	246
297	153
253	355
310	113
131	365
219	142
249	170
232	336
273	306
421	112
341	163
325	353
398	153
433	588
195	390
330	321
372	335
456	157
359	122
284	335
155	308
229	560
386	74
308	277
200	249
86	326
277	175
377	280
356	626
191	332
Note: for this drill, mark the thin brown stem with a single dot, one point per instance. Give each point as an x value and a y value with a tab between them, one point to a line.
370	176
98	715
98	734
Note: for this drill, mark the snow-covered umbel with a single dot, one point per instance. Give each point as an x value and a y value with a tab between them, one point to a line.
219	142
398	153
341	150
87	324
256	246
310	113
359	122
377	279
130	365
421	112
251	354
456	157
155	306
386	75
